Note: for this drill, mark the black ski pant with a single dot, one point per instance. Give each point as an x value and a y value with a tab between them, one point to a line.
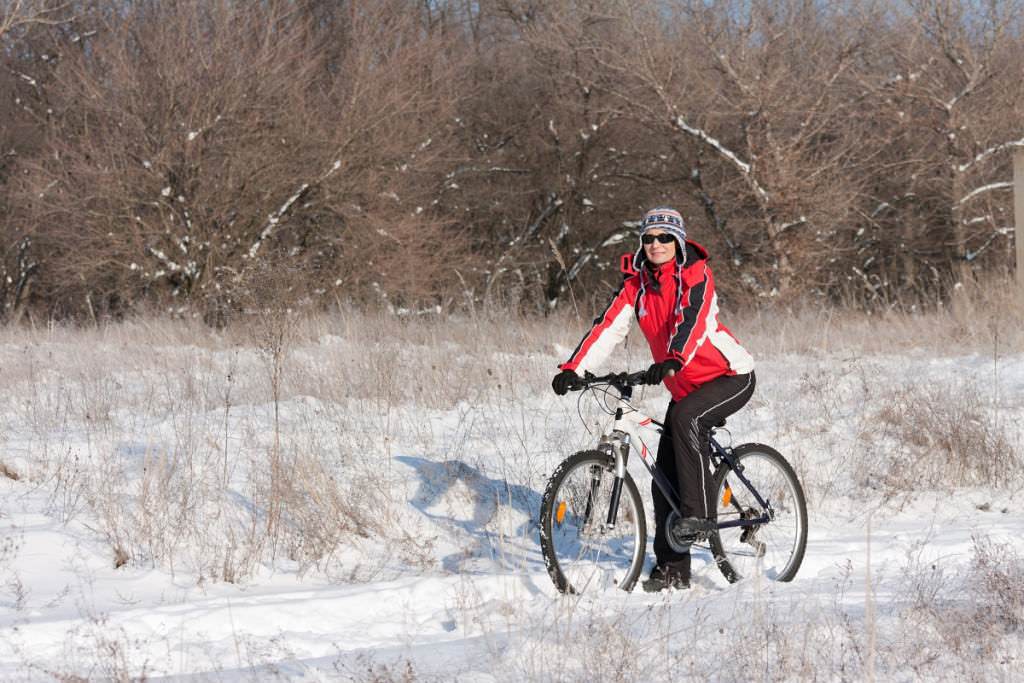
685	449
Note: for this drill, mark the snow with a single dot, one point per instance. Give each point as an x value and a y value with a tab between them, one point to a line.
448	583
995	149
742	166
275	218
982	190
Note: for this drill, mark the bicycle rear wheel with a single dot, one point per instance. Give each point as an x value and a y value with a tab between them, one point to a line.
774	549
581	551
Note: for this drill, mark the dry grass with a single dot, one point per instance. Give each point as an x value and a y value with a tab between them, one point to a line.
944	437
217	451
8	472
962	627
997	584
163	434
974	613
985	318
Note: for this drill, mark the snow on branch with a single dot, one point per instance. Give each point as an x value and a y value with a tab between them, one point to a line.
910	77
163	258
972	255
614	239
726	153
964	92
882	206
792	224
982	190
274	219
27	268
553	206
193	134
989	152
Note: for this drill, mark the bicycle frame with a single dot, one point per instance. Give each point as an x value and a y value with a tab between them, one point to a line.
625	434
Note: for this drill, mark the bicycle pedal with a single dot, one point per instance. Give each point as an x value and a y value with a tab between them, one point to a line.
684	532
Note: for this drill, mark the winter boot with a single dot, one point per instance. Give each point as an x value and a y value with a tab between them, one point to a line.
686	530
674	574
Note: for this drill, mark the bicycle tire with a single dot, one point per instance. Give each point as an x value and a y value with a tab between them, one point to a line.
775	549
580	551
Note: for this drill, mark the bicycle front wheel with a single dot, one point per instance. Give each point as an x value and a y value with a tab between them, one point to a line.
774	549
581	549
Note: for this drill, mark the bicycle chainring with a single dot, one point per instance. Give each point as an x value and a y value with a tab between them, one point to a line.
680	542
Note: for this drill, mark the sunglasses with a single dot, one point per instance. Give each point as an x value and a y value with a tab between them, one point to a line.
664	238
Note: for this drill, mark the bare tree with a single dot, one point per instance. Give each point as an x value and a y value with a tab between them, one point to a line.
412	154
196	140
26	60
16	14
762	89
554	171
956	93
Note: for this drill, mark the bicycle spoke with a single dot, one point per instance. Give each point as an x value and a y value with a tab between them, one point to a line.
584	551
774	548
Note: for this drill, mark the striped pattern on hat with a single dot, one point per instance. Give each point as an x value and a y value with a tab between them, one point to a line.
664	218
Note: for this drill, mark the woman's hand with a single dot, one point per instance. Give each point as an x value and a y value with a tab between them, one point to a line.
564	381
659	371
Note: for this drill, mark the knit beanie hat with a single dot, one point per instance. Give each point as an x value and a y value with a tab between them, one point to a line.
664	218
671	221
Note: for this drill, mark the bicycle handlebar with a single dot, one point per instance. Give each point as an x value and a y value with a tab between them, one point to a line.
616	379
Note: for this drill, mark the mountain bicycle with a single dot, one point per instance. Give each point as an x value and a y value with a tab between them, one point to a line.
593	530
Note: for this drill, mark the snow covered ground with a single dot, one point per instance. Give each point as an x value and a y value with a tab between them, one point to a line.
163	516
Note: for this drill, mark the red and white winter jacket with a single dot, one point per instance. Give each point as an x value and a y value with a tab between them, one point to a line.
678	315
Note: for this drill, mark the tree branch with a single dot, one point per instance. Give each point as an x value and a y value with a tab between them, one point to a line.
989	152
991	187
275	218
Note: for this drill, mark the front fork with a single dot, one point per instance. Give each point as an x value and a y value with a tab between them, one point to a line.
621	455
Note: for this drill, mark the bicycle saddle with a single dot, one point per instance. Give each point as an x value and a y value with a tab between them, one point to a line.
719	424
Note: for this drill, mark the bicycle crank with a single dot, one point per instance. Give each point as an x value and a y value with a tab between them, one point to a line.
681	533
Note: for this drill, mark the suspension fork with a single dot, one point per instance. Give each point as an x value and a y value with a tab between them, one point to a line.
621	458
620	470
595	481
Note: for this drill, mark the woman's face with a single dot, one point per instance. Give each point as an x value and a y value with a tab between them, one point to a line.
658	252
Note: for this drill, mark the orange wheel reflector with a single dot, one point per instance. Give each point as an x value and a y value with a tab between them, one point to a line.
560	512
726	497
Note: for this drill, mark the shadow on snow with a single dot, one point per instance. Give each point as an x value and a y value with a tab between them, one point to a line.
437	486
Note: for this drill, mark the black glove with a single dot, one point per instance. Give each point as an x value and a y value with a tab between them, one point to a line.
659	371
564	381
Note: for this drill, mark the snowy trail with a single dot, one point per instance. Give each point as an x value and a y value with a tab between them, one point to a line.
316	623
428	620
470	618
451	585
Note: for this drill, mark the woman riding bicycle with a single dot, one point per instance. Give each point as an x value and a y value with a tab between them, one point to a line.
671	291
